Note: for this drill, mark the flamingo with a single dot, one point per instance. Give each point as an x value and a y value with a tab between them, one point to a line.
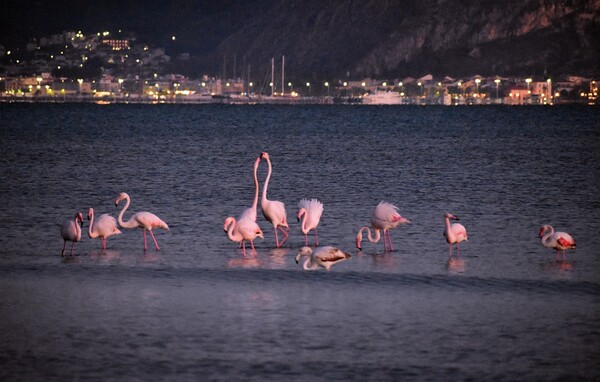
557	240
144	220
454	232
70	230
104	227
242	230
385	217
251	211
311	210
273	210
324	257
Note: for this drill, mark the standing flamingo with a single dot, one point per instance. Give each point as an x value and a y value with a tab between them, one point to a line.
556	240
251	211
144	220
242	230
385	217
70	230
311	210
454	233
321	257
273	210
104	227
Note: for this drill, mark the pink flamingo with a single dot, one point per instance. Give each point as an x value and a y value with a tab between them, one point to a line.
242	230
311	211
321	257
104	227
273	210
556	240
385	217
250	212
70	230
454	233
144	220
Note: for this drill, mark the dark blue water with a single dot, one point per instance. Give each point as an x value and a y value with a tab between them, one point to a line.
199	310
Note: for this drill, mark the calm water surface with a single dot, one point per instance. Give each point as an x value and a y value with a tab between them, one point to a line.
199	310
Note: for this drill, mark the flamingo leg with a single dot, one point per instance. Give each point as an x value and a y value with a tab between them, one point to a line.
285	234
390	241
316	237
244	247
252	245
145	244
276	238
153	238
72	247
450	246
306	239
64	246
103	241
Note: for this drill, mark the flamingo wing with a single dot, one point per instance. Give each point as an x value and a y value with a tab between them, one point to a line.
566	241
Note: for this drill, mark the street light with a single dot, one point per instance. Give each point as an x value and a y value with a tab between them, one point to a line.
308	86
528	81
420	87
477	81
327	86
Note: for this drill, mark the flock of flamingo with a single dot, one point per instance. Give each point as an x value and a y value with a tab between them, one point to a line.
384	218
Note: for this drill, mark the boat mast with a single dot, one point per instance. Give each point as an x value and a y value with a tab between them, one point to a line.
272	75
282	74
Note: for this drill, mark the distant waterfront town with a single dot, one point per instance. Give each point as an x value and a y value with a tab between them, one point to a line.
102	68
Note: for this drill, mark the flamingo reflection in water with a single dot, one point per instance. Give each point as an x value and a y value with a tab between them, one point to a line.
321	257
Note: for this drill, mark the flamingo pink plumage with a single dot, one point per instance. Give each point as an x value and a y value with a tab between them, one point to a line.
273	210
385	217
454	232
103	227
242	230
70	230
560	241
310	212
144	220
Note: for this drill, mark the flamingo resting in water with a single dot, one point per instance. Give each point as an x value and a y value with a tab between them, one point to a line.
144	220
103	227
273	210
556	240
454	232
242	230
324	257
385	217
70	230
310	212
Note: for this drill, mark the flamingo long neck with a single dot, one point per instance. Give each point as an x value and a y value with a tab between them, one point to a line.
449	232
129	223
549	232
303	226
91	233
306	265
230	230
78	227
369	236
264	192
255	204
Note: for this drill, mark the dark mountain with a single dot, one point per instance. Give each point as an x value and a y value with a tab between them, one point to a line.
335	39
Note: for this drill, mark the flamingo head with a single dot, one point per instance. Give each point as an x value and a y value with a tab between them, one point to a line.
122	196
264	155
90	213
301	213
304	251
259	233
257	162
228	222
79	217
358	240
543	230
403	220
448	215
